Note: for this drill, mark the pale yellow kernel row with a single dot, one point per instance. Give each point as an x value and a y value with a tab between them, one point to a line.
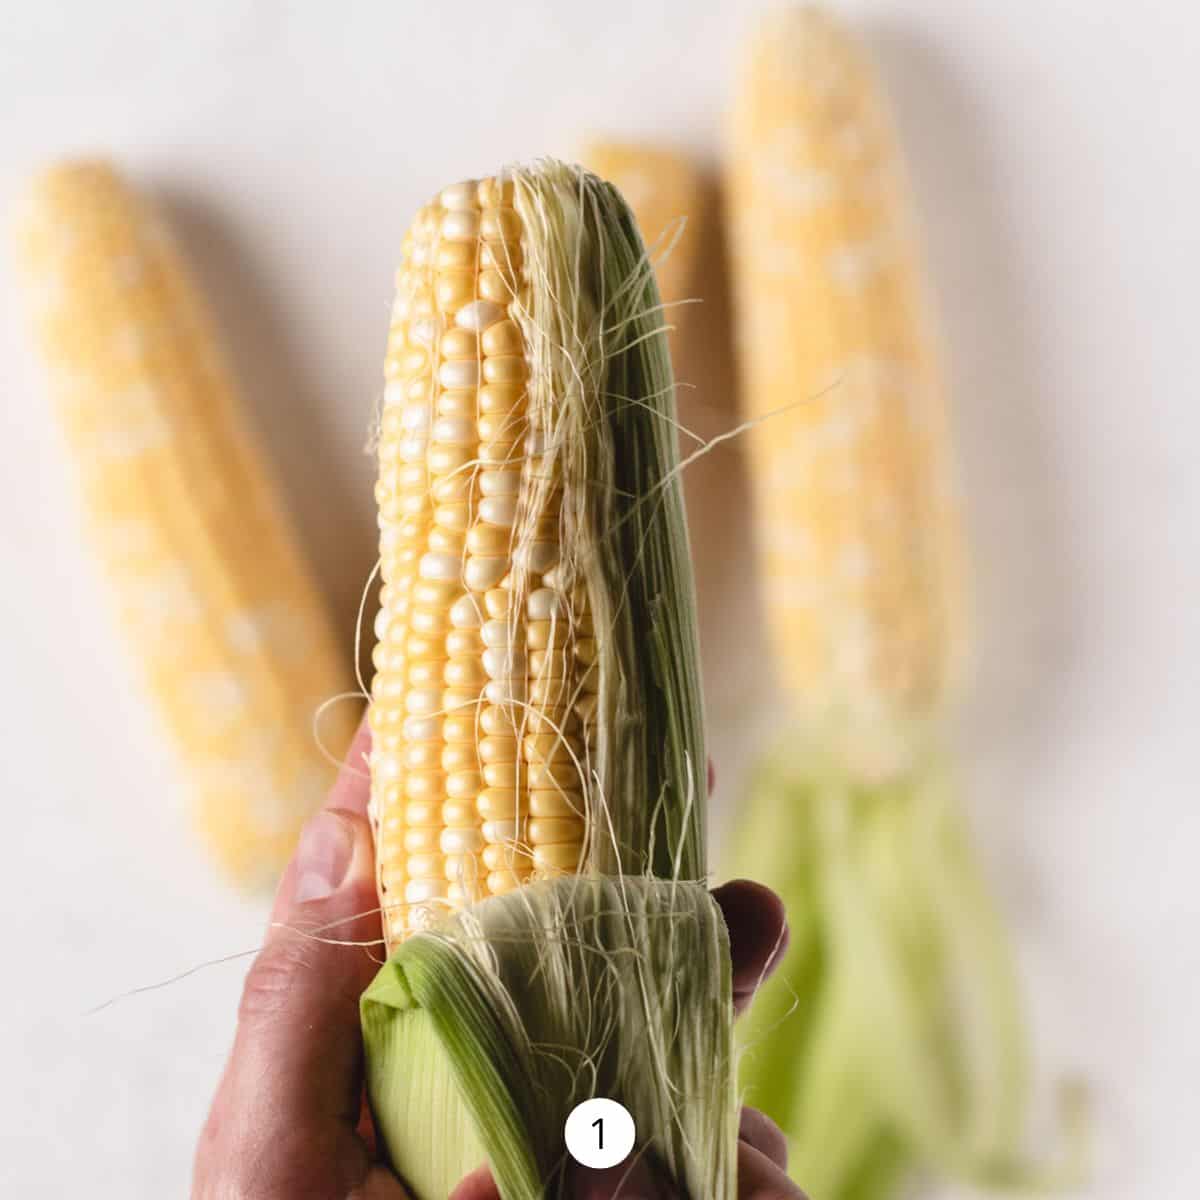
485	683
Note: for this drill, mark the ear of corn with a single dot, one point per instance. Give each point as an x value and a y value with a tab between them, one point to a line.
211	587
858	513
538	767
890	1038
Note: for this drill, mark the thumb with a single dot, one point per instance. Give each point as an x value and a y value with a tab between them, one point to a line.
283	1121
634	1180
629	1181
298	1024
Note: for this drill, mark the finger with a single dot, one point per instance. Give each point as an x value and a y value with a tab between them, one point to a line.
287	1106
634	1180
758	1130
300	1003
758	935
760	1179
381	1184
479	1185
624	1182
352	789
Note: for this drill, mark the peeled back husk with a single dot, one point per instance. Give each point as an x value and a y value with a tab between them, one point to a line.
483	1035
891	1038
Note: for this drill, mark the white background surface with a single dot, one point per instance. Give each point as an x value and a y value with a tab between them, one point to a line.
1056	165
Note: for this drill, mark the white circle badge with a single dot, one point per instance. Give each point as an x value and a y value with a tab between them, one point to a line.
600	1133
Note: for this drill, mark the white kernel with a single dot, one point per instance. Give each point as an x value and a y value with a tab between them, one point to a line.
503	661
422	729
388	658
499	510
386	767
500	483
498	454
424	866
458	373
505	691
462	870
482	573
415	417
393	394
440	566
461	196
546	603
417	891
383	619
465	614
460	225
500	831
461	893
478	315
412	449
461	841
498	634
420	702
423	331
454	431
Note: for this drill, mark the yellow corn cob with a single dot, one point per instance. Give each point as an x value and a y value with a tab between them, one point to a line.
857	512
485	678
538	757
892	1038
212	591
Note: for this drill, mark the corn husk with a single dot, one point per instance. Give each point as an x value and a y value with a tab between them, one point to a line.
891	1036
483	1035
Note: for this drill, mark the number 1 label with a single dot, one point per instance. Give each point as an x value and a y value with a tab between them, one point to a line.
600	1133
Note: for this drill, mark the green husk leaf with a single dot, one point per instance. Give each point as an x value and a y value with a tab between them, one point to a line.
601	382
890	1040
531	1002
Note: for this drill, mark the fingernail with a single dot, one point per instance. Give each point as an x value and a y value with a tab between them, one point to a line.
323	857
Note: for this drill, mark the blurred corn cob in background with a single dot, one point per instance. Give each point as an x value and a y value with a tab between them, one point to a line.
890	1040
212	591
857	512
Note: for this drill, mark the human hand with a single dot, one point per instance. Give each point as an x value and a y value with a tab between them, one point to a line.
288	1121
